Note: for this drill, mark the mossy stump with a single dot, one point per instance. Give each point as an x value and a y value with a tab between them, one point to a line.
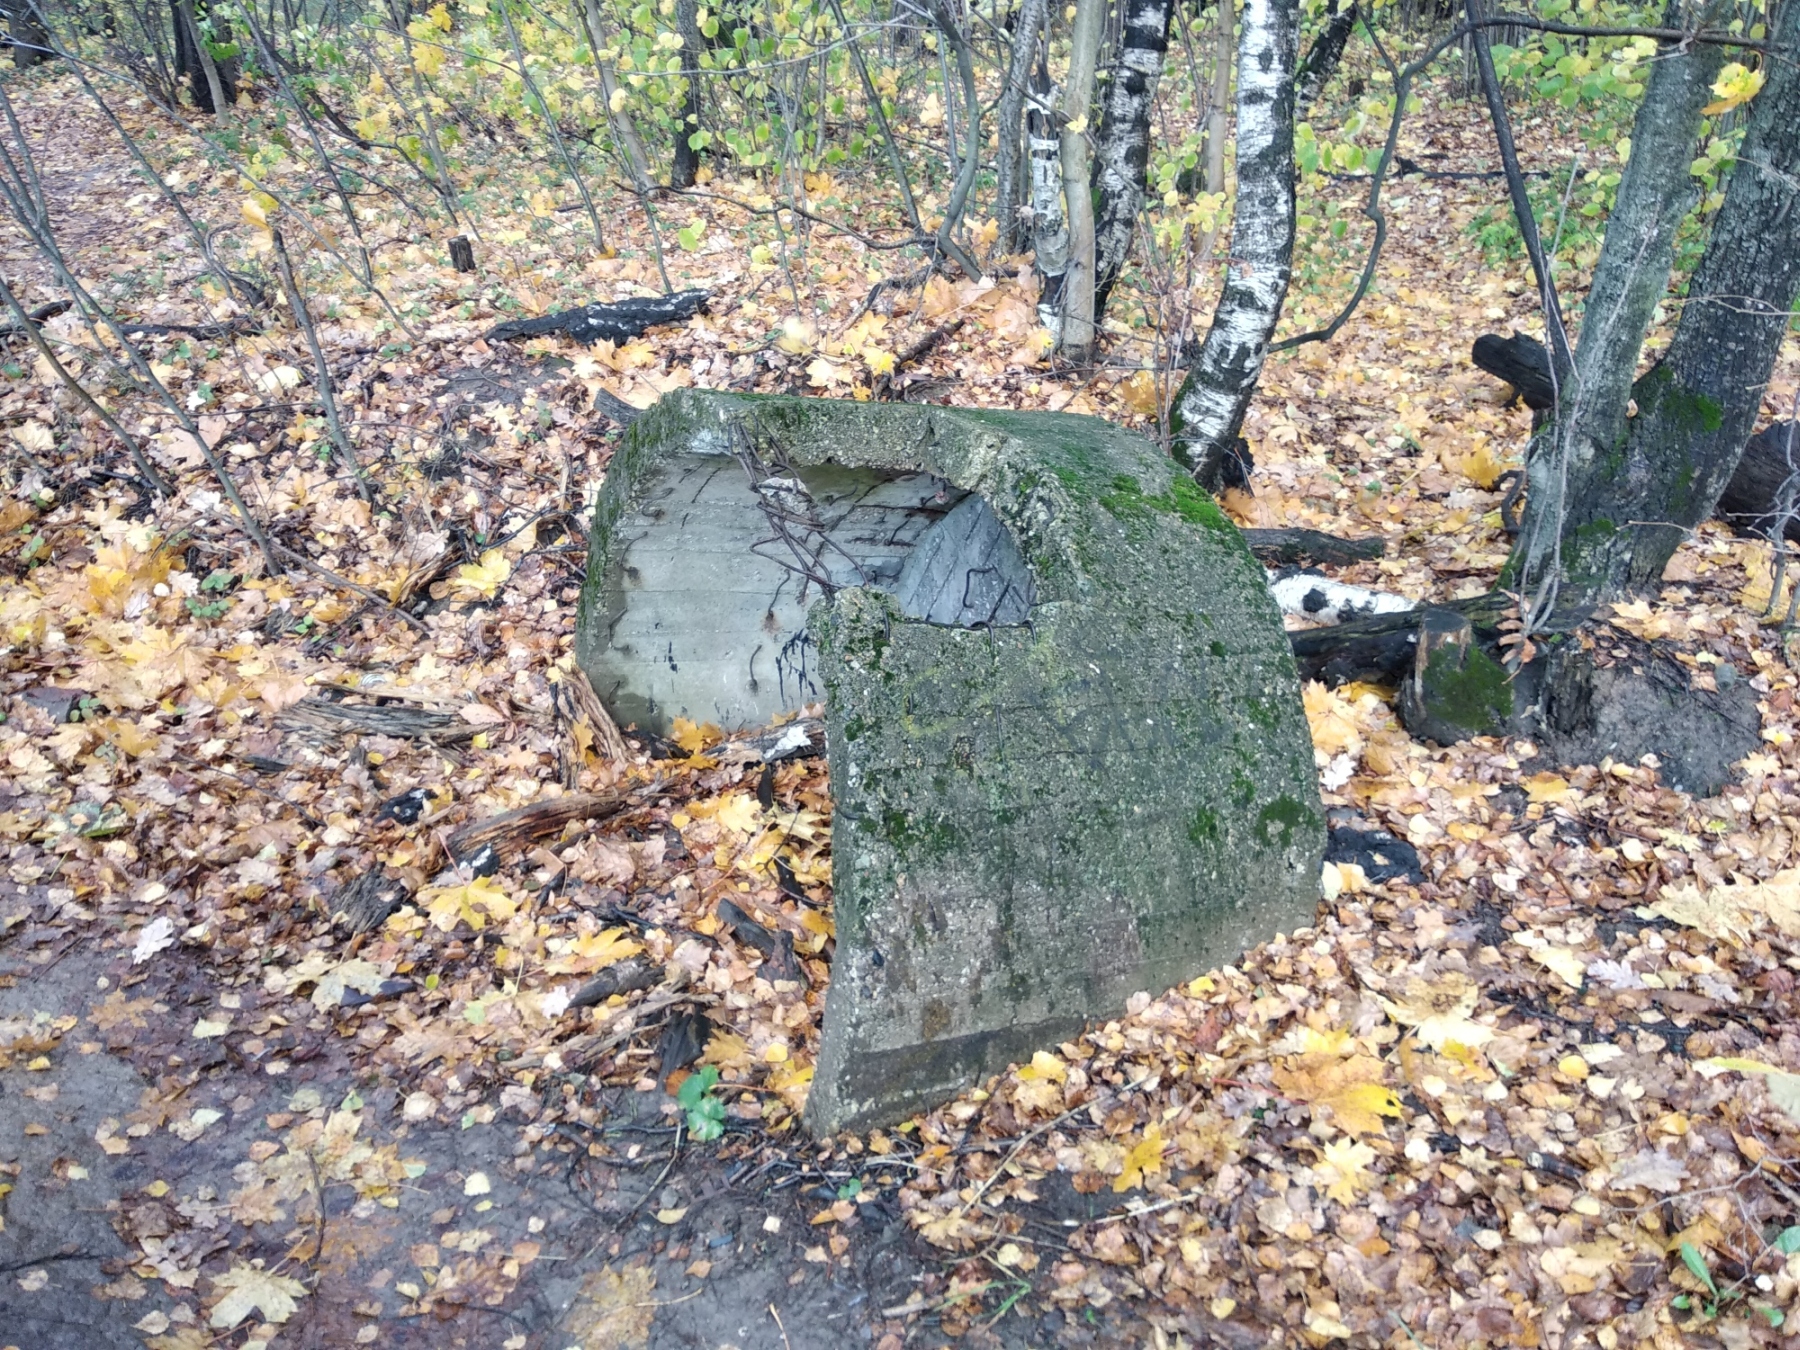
1065	736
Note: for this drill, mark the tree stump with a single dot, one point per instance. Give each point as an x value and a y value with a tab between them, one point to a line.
1066	742
462	253
1455	690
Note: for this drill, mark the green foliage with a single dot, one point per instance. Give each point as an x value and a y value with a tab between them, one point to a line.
1718	1300
705	1112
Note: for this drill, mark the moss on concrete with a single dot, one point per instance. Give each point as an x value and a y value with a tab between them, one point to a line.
1035	822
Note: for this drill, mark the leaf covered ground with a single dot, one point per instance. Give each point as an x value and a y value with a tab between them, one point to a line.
312	1084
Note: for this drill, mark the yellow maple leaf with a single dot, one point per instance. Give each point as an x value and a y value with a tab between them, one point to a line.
741	812
482	580
1332	721
879	360
861	333
590	952
1045	1066
727	1049
1145	1156
1345	1169
1736	84
693	737
1350	1087
792	1081
473	903
1140	393
1475	462
1546	787
1438	1010
1563	962
250	1288
797	336
1040	1083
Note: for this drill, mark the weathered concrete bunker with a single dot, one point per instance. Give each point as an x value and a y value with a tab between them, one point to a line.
1066	741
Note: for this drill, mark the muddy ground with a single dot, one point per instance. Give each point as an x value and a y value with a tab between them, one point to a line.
707	1246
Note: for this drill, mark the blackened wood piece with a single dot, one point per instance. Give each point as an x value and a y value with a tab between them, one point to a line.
1292	547
625	977
1747	504
1381	649
1522	362
462	253
612	321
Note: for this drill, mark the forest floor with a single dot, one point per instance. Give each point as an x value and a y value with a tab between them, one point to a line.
1472	1109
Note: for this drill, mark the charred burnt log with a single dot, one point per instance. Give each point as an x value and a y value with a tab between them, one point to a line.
1763	490
1522	362
1292	546
612	321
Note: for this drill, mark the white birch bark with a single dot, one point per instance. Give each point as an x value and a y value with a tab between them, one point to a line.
1209	407
1122	150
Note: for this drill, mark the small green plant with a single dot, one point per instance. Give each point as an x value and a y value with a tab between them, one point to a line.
217	582
1717	1299
1497	234
705	1112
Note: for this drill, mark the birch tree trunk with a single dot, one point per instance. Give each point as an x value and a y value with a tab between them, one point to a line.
1049	227
1010	164
1122	151
1077	337
1208	411
1613	498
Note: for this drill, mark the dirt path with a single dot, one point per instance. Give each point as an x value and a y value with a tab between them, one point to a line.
125	1152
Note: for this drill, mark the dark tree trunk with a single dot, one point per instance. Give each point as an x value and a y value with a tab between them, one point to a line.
1122	151
1584	507
686	167
188	17
30	41
1637	483
1321	60
1209	408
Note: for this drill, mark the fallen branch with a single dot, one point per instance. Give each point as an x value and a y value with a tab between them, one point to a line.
374	596
322	715
885	384
795	740
1291	547
613	321
534	821
35	317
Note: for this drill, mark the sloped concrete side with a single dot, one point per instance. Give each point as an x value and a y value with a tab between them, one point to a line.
1033	820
